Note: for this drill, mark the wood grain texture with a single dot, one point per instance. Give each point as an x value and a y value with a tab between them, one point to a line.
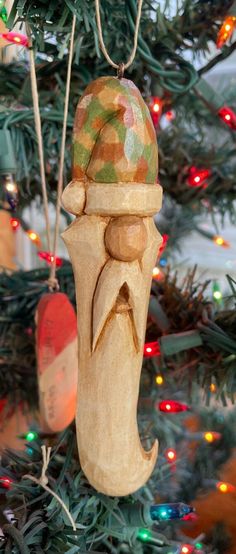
113	245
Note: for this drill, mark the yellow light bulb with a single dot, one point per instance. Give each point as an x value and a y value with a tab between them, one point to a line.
155	271
228	27
17	39
11	187
212	387
223	487
159	380
209	437
219	241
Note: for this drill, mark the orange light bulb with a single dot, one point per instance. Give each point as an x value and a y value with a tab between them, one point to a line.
226	31
221	242
33	236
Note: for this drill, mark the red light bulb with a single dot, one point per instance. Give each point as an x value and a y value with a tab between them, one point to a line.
197	176
190	517
15	223
155	107
187	549
170	455
15	38
49	258
172	406
170	115
5	482
151	349
228	116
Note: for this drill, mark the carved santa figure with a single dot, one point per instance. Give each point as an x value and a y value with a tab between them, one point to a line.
113	244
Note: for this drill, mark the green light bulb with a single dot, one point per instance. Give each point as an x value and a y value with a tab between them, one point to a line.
198	545
3	14
144	535
31	436
217	295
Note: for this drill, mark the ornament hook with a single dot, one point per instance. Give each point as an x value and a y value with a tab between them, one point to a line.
120	70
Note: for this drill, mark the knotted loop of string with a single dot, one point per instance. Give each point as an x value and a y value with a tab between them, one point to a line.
102	44
120	70
52	281
53	284
43	482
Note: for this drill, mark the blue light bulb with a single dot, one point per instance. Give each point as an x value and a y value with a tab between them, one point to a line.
163	262
176	510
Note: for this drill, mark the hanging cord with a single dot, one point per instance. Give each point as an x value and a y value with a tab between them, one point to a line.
38	128
120	67
43	482
52	281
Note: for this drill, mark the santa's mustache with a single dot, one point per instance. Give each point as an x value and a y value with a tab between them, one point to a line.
124	282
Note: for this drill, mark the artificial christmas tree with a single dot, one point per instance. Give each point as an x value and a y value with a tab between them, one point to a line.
190	345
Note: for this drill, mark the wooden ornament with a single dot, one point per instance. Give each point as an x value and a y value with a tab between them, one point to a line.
57	357
113	245
7	242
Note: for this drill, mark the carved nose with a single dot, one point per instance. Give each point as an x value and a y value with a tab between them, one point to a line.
126	238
